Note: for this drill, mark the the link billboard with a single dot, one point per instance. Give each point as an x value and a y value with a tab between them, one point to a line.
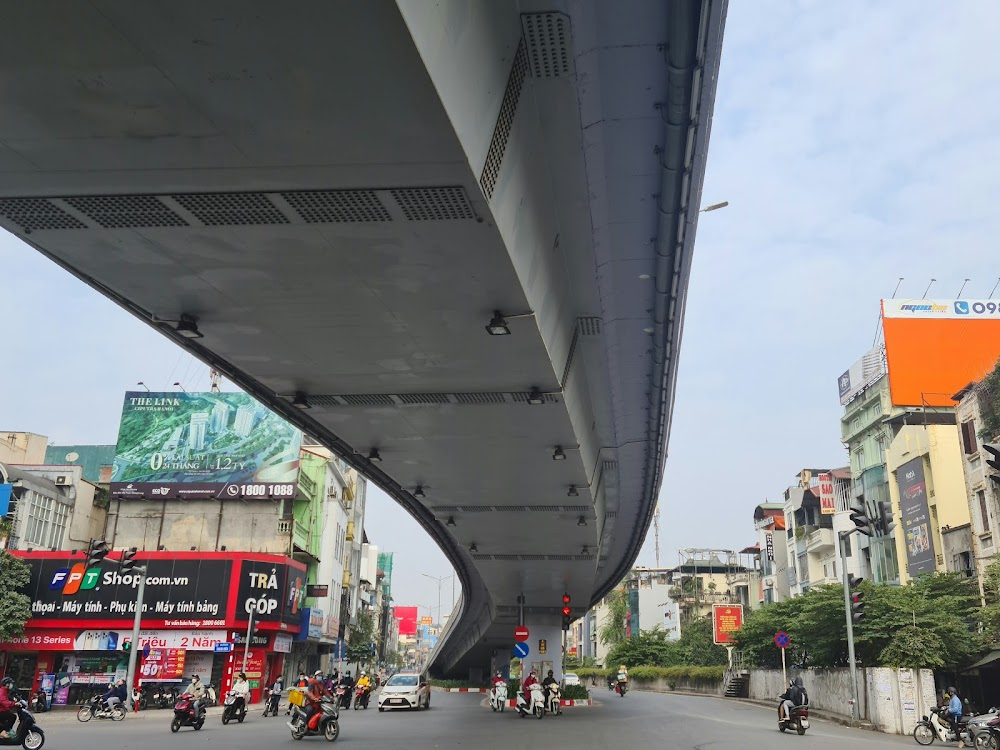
203	445
936	347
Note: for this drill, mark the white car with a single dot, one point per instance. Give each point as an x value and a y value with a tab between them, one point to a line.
405	691
570	679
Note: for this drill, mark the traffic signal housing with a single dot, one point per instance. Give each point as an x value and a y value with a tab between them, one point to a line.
994	461
567	617
886	520
127	563
859	515
96	552
857	599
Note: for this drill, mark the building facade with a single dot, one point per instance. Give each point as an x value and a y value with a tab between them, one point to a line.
772	553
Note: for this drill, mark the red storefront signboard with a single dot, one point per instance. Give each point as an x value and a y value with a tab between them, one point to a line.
42	640
827	500
727	619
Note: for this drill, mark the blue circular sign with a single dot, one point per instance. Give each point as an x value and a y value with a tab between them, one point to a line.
781	639
521	650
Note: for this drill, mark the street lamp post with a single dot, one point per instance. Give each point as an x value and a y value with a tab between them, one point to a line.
440	580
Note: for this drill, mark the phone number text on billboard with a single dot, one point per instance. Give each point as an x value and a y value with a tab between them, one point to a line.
203	490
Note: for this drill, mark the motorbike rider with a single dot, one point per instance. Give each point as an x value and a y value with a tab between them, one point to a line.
497	681
622	678
241	689
197	689
275	697
364	682
302	683
547	684
115	694
8	706
794	695
955	714
315	693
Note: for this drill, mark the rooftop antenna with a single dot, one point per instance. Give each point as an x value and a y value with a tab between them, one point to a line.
962	289
928	288
994	289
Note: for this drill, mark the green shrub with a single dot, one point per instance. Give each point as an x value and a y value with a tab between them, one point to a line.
454	683
674	674
575	693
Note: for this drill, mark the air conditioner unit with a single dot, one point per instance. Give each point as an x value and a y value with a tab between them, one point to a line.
332	493
769	583
62	479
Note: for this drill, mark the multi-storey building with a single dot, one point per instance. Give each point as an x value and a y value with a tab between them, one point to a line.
772	552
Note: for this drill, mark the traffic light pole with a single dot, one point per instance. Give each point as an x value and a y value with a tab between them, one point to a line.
246	646
136	621
855	709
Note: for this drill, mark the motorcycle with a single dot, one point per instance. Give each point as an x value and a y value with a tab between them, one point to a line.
323	723
621	687
936	726
498	697
28	735
361	698
235	708
343	696
553	703
186	715
985	736
797	719
40	703
98	709
533	705
272	701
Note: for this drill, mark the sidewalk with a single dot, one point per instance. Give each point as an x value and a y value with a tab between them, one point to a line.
62	715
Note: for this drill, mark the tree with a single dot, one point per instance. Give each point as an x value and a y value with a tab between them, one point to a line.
648	648
613	629
359	643
698	647
15	607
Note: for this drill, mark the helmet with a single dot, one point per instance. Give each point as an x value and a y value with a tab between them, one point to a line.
499	674
550	673
7	682
318	673
952	691
243	675
364	674
195	678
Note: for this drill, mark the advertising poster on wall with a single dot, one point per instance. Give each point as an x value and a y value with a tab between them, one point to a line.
727	619
203	445
915	517
862	374
672	619
163	664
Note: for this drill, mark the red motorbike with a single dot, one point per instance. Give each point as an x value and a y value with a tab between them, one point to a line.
186	715
361	697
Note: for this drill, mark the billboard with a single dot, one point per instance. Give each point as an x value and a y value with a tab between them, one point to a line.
727	619
672	619
407	617
915	517
203	445
827	500
862	374
934	348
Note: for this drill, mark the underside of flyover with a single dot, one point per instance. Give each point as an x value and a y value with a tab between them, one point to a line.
339	197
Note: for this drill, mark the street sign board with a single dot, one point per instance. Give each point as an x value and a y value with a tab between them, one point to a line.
543	646
521	649
781	639
521	633
223	648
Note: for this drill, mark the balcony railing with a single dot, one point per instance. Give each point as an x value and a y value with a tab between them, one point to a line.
820	539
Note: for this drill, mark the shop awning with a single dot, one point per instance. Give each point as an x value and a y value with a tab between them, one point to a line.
991	657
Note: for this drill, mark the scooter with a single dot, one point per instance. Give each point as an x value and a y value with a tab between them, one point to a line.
40	703
361	698
797	719
28	735
554	701
211	699
936	726
535	704
272	702
235	708
621	687
98	709
186	715
323	723
343	696
498	697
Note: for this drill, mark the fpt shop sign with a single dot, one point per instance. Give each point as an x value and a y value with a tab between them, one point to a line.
192	592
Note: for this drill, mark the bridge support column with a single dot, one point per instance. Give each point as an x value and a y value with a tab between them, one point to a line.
549	637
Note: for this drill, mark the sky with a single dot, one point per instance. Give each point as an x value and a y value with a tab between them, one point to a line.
856	142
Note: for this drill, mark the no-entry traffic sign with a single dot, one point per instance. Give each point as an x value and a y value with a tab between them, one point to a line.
781	639
521	650
521	633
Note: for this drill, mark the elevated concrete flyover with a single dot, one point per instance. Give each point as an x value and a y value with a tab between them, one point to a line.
330	202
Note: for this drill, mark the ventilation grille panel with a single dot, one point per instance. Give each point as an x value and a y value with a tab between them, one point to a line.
559	557
326	401
589	326
508	558
368	399
510	508
232	209
544	508
611	514
126	211
505	121
482	557
445	508
480	398
337	206
548	38
533	558
576	508
434	204
37	213
581	558
477	508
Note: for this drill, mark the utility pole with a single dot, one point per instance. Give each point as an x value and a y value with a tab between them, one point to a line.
842	538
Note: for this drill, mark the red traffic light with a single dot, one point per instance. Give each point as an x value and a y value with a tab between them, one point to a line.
565	598
566	611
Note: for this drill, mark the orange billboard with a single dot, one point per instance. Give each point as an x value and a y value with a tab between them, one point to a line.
934	348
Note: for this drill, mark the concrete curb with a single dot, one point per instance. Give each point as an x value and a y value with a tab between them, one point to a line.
823	715
458	690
